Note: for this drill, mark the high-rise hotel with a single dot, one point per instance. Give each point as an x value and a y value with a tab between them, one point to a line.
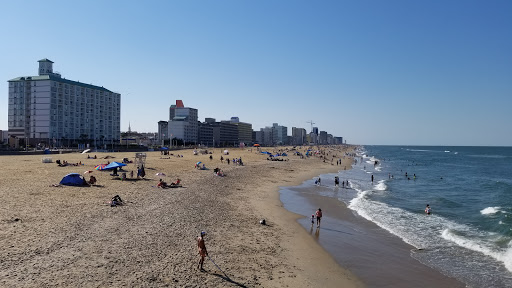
56	111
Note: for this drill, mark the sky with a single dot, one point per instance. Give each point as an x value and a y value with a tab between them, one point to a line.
374	72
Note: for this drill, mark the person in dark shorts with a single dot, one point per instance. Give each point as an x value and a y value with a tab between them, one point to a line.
318	215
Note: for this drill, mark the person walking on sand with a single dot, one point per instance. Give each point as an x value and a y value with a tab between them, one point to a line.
312	220
318	214
202	250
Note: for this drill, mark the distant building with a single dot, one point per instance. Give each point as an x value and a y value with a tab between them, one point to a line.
280	134
163	130
267	136
205	134
298	136
54	111
4	136
257	137
244	130
338	140
322	138
225	134
183	124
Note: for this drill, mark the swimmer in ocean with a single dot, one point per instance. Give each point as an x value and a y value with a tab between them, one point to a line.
428	210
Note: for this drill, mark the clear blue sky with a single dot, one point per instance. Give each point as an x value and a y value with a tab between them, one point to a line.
374	72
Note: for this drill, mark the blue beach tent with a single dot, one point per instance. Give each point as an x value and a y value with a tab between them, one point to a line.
73	179
114	165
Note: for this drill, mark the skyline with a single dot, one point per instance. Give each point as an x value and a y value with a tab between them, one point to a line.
371	72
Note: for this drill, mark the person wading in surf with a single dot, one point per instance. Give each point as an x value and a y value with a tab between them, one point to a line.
318	214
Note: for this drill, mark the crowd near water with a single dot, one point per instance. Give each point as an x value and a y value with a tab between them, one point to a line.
467	232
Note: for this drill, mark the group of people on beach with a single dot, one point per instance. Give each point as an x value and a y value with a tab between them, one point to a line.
163	184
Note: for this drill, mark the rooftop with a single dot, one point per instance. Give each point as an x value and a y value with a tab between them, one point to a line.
58	79
46	60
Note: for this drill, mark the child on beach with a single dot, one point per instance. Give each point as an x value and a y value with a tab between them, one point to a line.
312	219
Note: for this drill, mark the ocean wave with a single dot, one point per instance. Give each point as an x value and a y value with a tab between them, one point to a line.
423	150
381	186
490	210
488	156
504	256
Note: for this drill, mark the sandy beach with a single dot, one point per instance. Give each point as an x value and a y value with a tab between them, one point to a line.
70	236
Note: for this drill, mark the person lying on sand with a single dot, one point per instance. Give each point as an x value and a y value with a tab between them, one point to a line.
161	184
178	181
116	201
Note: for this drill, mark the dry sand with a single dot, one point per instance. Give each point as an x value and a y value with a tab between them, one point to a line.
69	236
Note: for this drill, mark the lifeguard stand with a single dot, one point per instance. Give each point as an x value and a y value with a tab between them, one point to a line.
140	159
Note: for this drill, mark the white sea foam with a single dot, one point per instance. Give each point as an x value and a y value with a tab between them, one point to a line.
381	186
378	168
447	151
490	210
502	255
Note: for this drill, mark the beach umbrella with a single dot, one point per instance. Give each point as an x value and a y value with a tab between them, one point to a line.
199	163
160	174
100	167
114	165
256	145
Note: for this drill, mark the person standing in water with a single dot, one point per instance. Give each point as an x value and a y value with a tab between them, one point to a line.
318	214
428	210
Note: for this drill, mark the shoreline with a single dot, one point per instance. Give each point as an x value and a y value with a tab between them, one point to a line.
315	264
377	257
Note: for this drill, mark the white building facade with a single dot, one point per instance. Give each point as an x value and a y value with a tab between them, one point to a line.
183	124
55	111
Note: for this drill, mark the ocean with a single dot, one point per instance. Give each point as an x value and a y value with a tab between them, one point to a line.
468	236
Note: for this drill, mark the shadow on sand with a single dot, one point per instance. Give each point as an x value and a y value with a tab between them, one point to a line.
226	278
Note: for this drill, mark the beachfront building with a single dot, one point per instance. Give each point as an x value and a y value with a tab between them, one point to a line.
257	137
244	130
163	129
225	134
3	136
338	140
313	138
53	111
205	134
322	138
280	134
183	123
298	136
267	136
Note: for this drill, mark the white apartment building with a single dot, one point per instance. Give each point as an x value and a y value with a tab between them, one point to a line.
183	123
56	111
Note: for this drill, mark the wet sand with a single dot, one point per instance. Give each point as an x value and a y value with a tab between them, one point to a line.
375	256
